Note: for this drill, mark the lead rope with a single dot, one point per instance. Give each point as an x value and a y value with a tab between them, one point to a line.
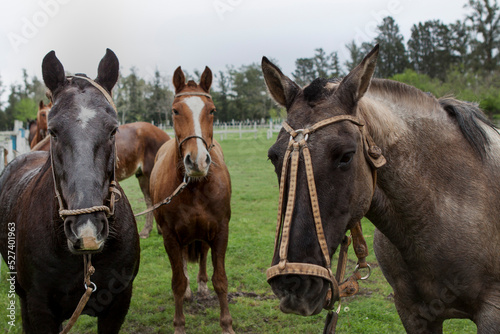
88	270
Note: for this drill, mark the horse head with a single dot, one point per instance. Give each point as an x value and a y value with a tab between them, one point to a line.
193	117
41	117
82	124
322	119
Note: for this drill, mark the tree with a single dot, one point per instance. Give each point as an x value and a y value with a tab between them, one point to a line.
221	98
319	66
159	101
304	71
392	56
485	20
251	100
429	49
130	97
356	56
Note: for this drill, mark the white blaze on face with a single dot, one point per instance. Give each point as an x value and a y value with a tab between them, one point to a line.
196	104
85	116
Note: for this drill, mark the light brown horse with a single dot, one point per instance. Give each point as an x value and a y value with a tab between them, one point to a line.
137	145
435	203
198	218
41	123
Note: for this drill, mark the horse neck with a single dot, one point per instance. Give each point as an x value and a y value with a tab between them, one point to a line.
410	129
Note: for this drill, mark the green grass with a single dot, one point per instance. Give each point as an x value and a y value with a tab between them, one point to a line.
252	305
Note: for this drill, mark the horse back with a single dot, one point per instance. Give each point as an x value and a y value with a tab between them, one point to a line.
137	145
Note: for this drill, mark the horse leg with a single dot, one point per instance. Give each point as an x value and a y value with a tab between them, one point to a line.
37	317
219	279
188	294
202	273
144	184
179	280
416	316
111	320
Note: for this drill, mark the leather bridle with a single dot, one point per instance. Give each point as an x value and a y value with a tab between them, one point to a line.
297	144
179	143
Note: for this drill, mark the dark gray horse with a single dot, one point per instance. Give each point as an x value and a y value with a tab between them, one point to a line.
435	203
44	243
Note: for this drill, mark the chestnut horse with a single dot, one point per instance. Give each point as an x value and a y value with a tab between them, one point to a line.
57	205
435	204
136	145
41	123
32	128
198	218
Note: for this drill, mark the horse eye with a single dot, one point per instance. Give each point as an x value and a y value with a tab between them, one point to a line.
113	133
52	133
175	112
346	159
212	111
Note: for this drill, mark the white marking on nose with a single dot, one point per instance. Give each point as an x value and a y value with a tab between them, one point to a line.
85	116
196	105
87	230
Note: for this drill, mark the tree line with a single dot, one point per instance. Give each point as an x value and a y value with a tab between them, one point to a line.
460	58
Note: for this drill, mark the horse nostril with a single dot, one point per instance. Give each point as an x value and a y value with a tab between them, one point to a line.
208	160
188	161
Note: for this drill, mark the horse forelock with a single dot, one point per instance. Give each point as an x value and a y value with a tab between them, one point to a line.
319	89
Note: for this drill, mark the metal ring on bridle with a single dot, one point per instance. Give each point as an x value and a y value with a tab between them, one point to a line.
356	269
93	284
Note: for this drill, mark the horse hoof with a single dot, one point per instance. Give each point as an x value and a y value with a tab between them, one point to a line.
143	235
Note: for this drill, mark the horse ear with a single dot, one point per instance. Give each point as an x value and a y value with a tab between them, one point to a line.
179	80
53	72
206	79
356	83
107	71
41	105
282	89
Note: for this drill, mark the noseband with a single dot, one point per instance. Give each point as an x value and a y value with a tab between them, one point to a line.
112	187
298	143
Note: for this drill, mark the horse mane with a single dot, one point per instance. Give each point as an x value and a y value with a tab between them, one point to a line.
469	116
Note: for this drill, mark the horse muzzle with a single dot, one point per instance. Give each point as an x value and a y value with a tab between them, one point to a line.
87	233
300	294
197	166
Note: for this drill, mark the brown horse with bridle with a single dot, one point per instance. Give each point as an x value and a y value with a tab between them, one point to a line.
136	145
198	217
66	228
41	123
433	198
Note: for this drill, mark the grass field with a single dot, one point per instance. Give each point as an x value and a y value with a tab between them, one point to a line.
252	305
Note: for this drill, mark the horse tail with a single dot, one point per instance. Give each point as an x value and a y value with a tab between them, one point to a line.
194	251
467	115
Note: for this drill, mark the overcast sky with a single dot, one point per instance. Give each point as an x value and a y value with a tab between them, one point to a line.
164	34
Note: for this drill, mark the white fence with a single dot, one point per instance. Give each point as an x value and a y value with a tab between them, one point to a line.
221	130
13	143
